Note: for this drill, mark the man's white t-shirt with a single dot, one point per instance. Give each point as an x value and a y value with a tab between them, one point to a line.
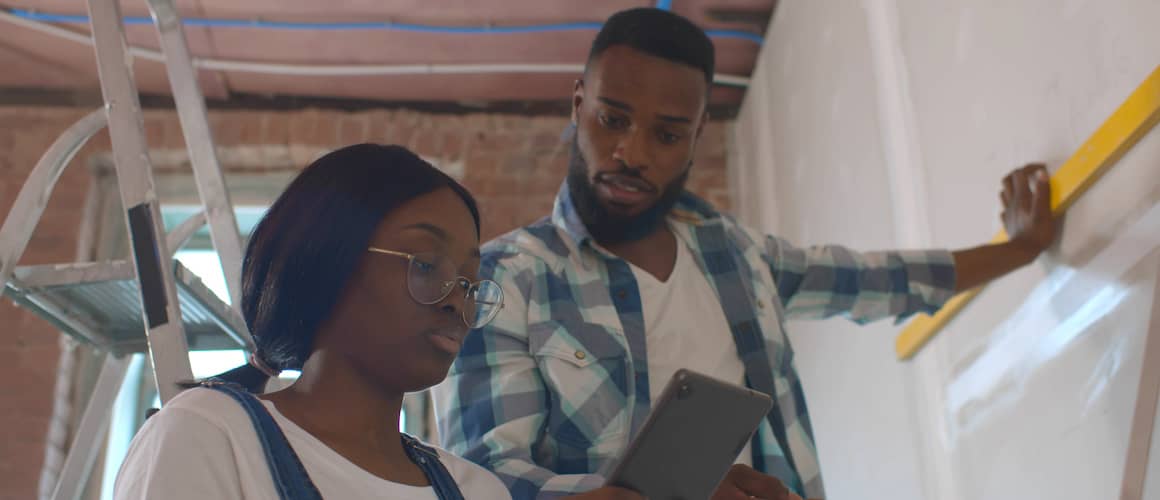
685	327
203	446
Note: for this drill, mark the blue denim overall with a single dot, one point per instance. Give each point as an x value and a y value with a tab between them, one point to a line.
290	477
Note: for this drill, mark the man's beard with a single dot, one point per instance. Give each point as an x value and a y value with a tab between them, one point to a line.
610	228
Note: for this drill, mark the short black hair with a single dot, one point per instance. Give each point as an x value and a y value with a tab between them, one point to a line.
305	249
659	33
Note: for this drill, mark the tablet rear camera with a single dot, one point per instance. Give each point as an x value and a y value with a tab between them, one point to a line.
684	391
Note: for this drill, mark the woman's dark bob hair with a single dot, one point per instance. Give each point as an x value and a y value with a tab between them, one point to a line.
304	250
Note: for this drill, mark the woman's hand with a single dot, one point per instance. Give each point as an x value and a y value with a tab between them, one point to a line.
746	483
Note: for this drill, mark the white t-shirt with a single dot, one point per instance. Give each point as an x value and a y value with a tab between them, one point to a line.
685	327
202	446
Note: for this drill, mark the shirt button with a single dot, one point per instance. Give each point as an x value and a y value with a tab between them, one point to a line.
621	294
581	355
761	304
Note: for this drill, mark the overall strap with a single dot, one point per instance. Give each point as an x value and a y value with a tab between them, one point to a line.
291	480
428	460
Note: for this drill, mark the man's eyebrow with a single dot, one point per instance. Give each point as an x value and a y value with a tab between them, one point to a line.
614	103
675	119
625	107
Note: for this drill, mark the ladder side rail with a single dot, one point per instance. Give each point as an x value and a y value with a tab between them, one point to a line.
207	171
90	435
161	311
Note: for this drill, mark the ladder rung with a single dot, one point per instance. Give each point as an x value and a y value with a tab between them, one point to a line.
71	274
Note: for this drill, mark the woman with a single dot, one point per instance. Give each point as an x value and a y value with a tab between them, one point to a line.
362	276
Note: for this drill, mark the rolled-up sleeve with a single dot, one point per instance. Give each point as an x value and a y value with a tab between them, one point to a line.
826	281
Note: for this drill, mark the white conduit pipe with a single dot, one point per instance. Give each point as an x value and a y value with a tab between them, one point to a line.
336	70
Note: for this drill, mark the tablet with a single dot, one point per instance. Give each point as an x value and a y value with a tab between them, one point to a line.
691	438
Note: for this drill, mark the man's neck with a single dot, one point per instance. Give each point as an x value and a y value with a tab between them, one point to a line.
656	253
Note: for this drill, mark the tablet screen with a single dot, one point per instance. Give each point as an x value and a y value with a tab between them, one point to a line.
691	438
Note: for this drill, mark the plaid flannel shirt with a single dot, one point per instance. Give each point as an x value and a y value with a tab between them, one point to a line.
549	394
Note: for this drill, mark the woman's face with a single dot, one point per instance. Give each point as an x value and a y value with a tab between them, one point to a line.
377	326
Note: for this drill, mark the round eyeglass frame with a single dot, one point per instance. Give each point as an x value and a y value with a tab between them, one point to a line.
448	286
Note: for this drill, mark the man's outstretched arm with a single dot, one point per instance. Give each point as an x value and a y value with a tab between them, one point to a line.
824	281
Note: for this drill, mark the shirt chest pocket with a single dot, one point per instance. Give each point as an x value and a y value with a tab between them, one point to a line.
585	368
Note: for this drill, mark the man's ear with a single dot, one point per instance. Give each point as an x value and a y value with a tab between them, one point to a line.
697	134
577	99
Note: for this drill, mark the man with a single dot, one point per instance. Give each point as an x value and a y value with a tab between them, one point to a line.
632	278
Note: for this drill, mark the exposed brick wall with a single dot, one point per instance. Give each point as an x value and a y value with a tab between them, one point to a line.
513	164
29	348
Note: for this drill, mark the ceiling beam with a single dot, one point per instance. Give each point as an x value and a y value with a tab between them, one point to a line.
92	97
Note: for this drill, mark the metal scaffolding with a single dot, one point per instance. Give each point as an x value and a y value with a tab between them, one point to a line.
150	302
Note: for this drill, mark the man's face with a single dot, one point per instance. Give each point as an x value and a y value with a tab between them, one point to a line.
637	118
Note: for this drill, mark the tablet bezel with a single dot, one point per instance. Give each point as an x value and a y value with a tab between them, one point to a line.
744	411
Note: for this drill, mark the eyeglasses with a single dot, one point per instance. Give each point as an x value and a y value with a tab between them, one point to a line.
432	277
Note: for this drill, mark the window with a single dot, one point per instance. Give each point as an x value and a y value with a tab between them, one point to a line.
207	266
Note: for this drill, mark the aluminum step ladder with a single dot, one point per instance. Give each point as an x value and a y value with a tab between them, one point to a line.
151	302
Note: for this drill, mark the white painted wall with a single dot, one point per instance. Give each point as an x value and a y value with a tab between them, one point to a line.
810	136
888	123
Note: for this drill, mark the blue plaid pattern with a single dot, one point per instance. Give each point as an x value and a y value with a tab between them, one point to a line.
550	393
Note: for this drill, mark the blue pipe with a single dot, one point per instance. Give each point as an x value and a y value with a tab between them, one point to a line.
417	28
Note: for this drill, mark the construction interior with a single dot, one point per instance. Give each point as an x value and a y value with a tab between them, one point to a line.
141	141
